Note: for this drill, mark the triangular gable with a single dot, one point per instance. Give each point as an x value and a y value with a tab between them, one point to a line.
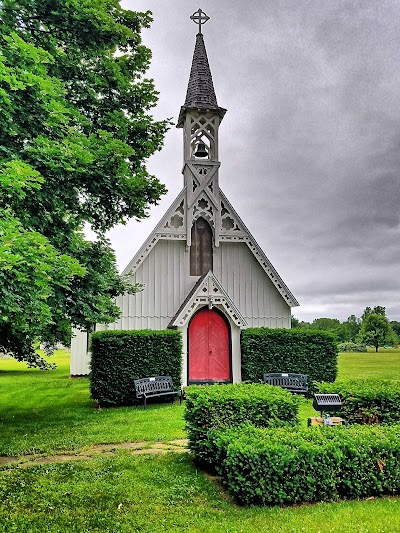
207	291
173	226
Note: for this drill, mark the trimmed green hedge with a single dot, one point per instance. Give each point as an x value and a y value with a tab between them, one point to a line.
216	406
369	401
274	467
288	350
119	357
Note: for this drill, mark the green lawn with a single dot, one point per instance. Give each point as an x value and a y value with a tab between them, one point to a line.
382	365
150	494
48	412
45	412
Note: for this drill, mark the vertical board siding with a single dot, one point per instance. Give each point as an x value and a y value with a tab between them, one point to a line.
80	360
249	286
166	285
164	274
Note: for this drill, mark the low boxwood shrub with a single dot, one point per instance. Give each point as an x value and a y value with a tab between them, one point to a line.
119	357
283	466
288	350
351	347
216	406
369	401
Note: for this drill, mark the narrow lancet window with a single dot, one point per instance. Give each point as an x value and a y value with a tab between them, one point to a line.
201	249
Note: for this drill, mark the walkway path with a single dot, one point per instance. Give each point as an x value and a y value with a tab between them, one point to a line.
136	448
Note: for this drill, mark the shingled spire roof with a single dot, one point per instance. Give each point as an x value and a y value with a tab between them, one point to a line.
200	92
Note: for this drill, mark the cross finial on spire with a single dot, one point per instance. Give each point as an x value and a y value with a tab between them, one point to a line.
200	18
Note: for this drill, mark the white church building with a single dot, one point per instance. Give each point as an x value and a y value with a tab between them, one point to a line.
202	271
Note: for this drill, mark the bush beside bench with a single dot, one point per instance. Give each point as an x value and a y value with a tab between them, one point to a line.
223	406
313	353
369	401
120	357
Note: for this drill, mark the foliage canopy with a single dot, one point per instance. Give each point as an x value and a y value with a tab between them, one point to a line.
376	331
76	134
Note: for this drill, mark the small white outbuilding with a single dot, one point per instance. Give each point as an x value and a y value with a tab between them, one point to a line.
202	271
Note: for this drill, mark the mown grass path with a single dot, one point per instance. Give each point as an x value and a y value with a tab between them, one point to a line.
109	450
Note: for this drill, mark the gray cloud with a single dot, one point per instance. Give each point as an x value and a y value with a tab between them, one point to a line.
312	136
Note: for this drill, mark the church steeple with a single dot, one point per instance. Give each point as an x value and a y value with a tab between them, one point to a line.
200	117
200	93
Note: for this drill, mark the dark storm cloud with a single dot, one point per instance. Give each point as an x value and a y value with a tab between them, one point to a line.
312	130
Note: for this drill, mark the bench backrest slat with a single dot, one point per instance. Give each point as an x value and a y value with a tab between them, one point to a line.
153	385
290	380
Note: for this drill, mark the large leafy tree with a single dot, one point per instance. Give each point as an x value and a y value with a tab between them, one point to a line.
376	329
75	134
377	310
331	325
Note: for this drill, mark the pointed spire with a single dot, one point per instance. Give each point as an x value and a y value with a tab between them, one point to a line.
200	93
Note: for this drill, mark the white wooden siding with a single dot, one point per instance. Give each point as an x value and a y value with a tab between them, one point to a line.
249	286
166	284
79	356
164	274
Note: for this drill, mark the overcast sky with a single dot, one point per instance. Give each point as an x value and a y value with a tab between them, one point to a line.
310	145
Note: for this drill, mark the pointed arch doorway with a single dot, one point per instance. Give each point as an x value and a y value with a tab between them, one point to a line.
209	354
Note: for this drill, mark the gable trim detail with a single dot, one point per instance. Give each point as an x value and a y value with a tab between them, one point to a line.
208	291
161	231
164	231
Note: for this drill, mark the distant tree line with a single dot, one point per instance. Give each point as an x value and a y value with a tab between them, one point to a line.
373	328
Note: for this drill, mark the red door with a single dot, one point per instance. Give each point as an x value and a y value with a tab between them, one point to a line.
209	358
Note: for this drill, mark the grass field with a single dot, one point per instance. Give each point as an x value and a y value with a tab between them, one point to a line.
47	412
382	365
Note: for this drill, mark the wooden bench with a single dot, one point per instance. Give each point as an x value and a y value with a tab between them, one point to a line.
156	386
296	383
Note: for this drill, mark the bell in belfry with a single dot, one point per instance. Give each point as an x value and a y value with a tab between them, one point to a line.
201	150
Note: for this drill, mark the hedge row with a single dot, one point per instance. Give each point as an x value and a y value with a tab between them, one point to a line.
367	401
217	406
119	357
288	350
270	467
